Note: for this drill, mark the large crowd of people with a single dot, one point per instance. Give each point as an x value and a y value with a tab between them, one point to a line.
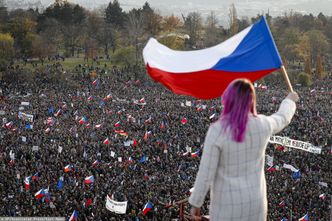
135	138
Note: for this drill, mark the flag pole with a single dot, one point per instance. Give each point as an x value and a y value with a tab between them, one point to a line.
284	72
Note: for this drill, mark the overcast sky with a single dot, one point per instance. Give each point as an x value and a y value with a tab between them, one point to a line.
220	7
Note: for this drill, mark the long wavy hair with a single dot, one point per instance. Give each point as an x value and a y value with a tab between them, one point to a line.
238	99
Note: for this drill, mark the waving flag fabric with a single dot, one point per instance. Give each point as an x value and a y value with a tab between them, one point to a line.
304	218
89	180
206	73
27	181
68	168
40	194
148	206
74	216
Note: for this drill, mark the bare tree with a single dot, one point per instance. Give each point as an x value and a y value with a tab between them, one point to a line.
193	25
233	20
212	32
134	27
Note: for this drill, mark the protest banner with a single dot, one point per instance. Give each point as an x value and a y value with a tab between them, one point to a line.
269	160
297	144
116	207
25	103
25	117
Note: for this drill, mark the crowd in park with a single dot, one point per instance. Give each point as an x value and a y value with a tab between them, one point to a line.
114	132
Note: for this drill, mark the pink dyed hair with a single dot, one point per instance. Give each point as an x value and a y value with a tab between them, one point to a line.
238	99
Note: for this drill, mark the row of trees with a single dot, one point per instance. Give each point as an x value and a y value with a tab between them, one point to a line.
70	29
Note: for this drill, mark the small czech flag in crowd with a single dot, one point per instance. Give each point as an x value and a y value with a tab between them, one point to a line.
40	194
95	163
27	182
68	168
74	216
148	206
106	141
195	154
83	120
304	218
89	180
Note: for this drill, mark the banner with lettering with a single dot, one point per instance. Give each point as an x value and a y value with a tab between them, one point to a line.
116	207
297	144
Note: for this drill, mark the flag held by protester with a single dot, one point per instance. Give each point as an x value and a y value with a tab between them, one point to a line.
304	218
148	206
89	180
206	73
40	194
74	216
27	181
68	168
115	206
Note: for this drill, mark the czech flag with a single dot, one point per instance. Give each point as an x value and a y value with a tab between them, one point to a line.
95	163
27	182
109	96
130	160
9	125
58	113
98	126
304	218
40	194
206	73
74	216
117	124
195	154
95	82
322	196
83	120
148	206
282	204
68	168
106	141
146	135
60	183
89	180
35	176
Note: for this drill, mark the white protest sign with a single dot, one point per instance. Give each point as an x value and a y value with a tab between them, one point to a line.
25	117
297	144
127	143
323	184
269	160
116	207
290	167
25	103
112	153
